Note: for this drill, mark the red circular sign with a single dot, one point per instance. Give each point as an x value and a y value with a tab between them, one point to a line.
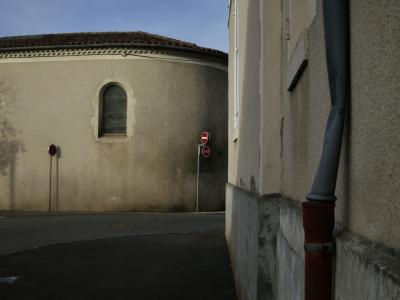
52	150
206	151
204	137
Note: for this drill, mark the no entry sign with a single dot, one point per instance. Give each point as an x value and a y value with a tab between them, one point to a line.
204	137
206	151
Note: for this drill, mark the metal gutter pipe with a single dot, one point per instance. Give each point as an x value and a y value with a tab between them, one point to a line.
337	55
318	211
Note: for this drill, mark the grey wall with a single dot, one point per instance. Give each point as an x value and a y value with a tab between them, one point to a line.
251	229
365	270
265	238
289	252
153	168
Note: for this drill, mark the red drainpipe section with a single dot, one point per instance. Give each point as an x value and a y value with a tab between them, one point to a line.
318	222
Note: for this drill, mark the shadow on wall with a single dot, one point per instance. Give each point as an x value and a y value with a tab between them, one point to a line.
346	167
58	157
248	156
9	144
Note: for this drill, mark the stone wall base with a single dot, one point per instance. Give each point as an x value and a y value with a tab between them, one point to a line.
265	238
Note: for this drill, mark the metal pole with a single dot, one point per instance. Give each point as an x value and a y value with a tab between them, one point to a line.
198	173
51	162
57	204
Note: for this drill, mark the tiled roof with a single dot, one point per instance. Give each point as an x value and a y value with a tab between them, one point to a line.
101	39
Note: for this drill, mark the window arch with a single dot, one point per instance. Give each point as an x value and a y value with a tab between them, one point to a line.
113	107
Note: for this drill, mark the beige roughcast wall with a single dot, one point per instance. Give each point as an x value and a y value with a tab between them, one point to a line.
271	117
368	187
274	152
55	101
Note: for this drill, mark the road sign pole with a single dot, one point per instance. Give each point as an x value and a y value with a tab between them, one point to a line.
204	139
51	163
198	174
52	150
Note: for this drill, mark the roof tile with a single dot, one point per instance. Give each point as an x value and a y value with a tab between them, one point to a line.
86	39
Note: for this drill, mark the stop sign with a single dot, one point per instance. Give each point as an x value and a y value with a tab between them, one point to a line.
204	137
206	151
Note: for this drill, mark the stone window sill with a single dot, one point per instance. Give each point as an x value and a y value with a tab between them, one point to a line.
113	138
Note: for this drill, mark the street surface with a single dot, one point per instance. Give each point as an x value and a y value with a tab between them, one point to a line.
114	256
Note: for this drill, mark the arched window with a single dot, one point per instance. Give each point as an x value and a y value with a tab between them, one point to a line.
113	110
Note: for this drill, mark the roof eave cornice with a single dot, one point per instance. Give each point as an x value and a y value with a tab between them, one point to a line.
115	45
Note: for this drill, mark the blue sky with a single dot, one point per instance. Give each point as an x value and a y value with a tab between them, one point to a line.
203	22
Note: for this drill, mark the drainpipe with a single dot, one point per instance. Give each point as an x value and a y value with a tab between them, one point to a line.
318	211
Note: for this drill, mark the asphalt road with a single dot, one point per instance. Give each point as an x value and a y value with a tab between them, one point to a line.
114	256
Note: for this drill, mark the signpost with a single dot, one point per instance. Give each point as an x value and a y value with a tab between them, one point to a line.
52	150
205	151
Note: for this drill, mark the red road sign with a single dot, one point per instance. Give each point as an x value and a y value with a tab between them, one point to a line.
52	150
206	151
204	137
